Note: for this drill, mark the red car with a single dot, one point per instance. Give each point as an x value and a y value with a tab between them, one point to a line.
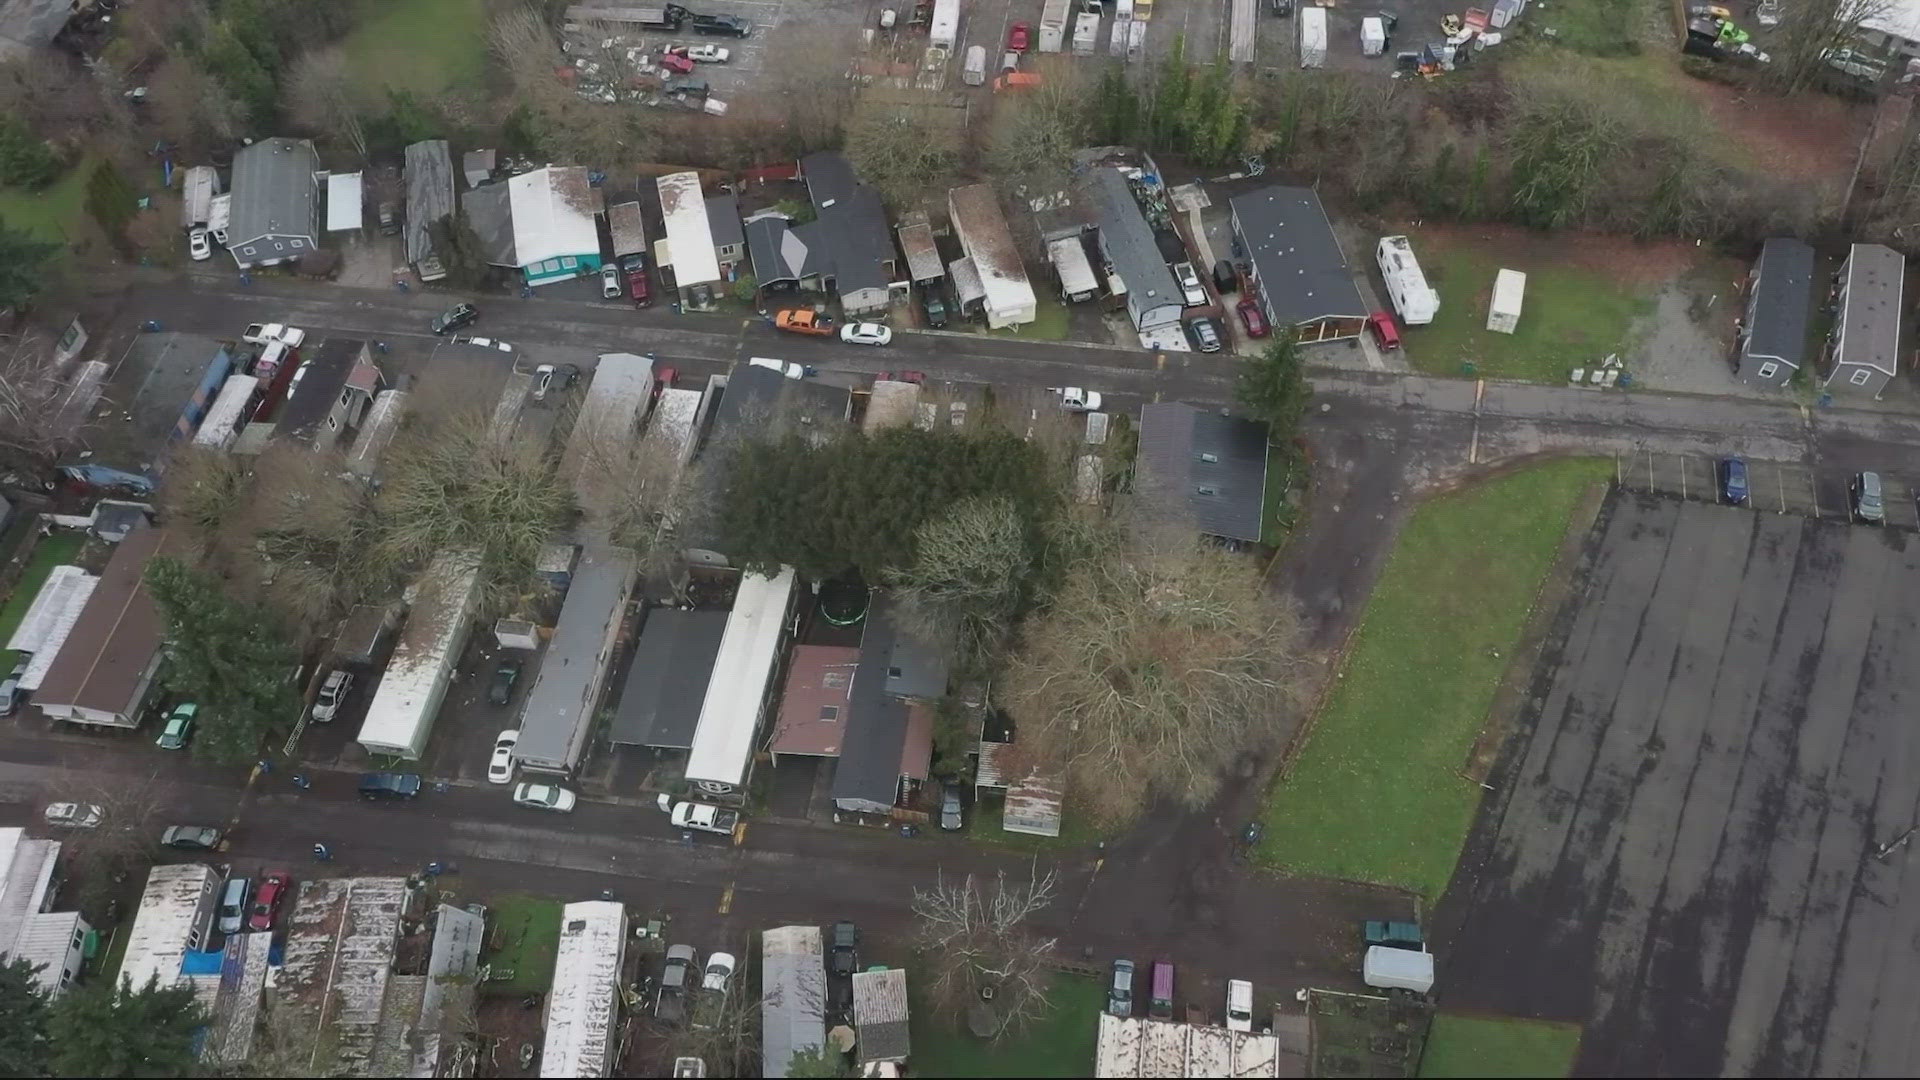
1017	38
1385	331
676	63
635	267
267	900
1251	318
663	379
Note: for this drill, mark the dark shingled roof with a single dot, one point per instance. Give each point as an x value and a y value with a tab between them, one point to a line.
855	222
489	212
877	722
322	377
667	681
1128	241
1202	468
723	220
1296	256
1782	304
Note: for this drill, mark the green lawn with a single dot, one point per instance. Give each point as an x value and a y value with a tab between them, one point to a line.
1493	1046
528	929
1377	794
1279	515
1597	27
1571	317
1061	1044
57	212
425	46
984	821
59	548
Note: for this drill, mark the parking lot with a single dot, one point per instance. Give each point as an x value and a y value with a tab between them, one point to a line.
1775	486
1696	842
746	56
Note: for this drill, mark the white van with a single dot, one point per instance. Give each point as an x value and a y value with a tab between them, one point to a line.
233	905
974	71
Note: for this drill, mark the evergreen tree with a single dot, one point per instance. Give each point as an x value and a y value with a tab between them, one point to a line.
1273	386
100	1030
23	257
227	657
23	1022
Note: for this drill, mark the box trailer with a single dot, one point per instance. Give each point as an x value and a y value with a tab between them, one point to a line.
1414	301
1509	291
1398	969
1313	37
1373	36
1053	25
944	28
1086	33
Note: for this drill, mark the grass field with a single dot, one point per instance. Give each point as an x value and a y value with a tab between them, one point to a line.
425	46
1377	794
1572	316
1060	1045
1494	1046
59	548
984	819
57	212
528	928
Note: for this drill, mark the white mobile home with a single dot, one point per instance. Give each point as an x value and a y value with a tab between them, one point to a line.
984	236
1313	37
229	412
1413	300
559	710
793	996
722	753
440	611
583	1007
176	915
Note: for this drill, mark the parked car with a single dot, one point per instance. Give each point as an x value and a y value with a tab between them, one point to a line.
865	333
1733	481
264	334
267	900
1225	278
1076	399
179	728
1251	318
671	1006
1189	279
610	282
708	54
1160	993
719	969
1239	1005
1120	989
333	694
786	368
802	321
635	267
950	813
1205	335
505	674
454	318
389	785
545	797
935	308
233	905
191	837
1386	332
676	61
542	381
199	245
915	377
11	695
1018	36
73	815
844	950
1767	13
722	25
1863	493
500	766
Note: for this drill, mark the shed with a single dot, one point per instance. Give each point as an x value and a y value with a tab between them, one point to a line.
1509	293
344	202
477	166
880	1017
1772	339
667	678
1075	273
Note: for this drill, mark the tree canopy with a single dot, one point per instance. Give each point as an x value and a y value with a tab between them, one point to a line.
228	657
23	258
23	1021
1273	386
101	1030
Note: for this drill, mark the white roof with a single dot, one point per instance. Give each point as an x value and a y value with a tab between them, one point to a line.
1900	18
586	989
169	912
410	690
49	650
26	873
38	623
612	408
793	995
1509	291
379	428
341	941
44	942
222	421
982	227
553	211
670	431
689	238
343	202
1069	257
1141	1047
749	650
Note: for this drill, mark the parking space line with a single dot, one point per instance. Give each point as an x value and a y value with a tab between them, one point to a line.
726	900
1683	475
1813	490
1780	481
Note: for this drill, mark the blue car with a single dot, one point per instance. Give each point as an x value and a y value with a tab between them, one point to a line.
1733	481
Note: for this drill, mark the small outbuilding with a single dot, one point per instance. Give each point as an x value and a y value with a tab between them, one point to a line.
1770	343
1509	293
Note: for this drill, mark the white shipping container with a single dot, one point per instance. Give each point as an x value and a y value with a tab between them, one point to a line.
1313	36
1053	25
1509	292
1373	36
1407	286
1086	34
944	27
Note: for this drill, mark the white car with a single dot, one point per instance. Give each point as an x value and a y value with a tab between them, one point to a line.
865	333
719	969
785	367
1239	1005
500	767
1075	399
333	693
542	381
198	245
545	797
274	333
1767	13
73	815
1190	284
610	283
707	54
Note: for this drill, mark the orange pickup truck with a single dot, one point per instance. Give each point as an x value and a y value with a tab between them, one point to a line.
803	321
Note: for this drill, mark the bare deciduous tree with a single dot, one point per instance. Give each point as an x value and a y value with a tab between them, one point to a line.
803	95
191	107
1159	661
205	491
101	856
904	143
1809	30
634	491
968	580
1033	136
35	425
985	962
320	93
568	125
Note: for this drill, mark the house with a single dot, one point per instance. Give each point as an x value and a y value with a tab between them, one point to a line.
880	1019
721	759
888	744
1771	341
1006	297
1200	468
345	201
688	247
560	707
793	996
107	664
816	702
923	253
1863	351
338	982
330	394
1297	271
1137	1046
667	678
554	235
51	942
853	223
583	1005
175	917
729	240
1154	298
274	216
429	175
1892	28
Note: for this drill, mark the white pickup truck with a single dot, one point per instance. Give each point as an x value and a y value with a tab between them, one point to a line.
268	333
693	815
1076	399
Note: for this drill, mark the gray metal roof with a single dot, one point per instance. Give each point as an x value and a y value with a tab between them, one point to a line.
1202	468
274	193
477	166
34	22
322	377
559	708
489	211
793	995
1296	256
1782	302
1128	241
880	1015
723	220
1870	313
869	769
667	681
429	193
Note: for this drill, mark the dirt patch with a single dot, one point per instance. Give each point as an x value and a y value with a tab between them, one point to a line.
1639	262
1808	136
507	1025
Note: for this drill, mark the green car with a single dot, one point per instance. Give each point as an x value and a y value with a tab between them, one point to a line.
179	727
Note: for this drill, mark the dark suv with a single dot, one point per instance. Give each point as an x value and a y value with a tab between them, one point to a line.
722	25
389	785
